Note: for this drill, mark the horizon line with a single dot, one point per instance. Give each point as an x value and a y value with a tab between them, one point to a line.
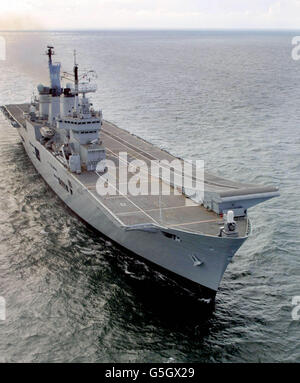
156	29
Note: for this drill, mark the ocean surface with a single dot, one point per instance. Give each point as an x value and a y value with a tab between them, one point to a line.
230	98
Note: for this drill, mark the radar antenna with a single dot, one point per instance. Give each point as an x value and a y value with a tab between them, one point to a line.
50	53
84	82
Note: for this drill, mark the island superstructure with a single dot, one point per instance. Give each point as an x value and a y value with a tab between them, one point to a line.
71	147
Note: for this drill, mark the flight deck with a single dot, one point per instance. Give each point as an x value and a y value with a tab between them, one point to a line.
174	210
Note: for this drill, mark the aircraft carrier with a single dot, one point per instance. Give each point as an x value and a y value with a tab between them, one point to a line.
193	235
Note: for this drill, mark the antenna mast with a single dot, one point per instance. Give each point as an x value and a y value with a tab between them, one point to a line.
54	71
76	81
50	53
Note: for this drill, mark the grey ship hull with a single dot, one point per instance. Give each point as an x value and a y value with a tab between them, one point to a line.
156	243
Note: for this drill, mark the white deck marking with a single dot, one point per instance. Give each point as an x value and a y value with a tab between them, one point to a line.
146	172
147	158
111	135
157	209
147	215
193	223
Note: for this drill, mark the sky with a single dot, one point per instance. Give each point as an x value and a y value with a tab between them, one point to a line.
149	14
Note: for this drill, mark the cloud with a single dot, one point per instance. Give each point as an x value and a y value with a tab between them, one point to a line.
162	14
13	21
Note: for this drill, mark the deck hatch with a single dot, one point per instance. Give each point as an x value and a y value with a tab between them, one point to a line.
171	236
